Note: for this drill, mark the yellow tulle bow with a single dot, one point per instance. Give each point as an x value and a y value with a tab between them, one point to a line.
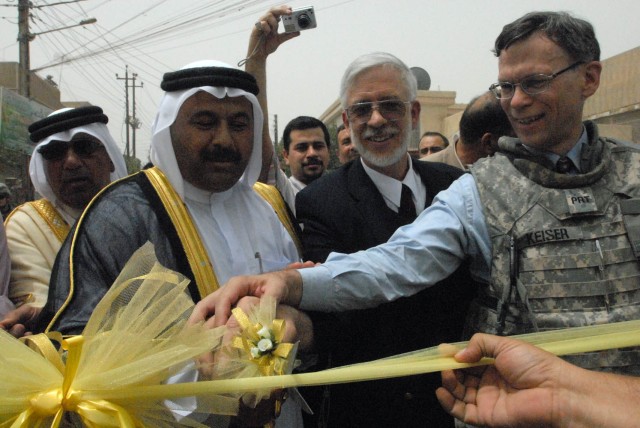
48	407
263	342
136	337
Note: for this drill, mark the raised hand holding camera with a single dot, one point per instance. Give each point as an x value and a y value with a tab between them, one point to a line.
303	18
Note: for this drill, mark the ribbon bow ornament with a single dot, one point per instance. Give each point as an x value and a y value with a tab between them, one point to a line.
261	338
136	337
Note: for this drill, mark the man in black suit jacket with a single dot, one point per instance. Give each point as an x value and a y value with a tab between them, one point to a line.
354	208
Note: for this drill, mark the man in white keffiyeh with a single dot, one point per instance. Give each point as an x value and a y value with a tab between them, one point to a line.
199	204
75	157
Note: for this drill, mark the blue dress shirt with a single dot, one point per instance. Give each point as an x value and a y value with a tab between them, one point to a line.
418	255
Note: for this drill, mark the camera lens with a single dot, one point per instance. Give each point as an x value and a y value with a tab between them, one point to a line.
304	20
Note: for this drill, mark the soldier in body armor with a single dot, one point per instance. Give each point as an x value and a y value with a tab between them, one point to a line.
565	236
550	224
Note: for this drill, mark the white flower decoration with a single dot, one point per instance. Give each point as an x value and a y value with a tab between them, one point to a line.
255	352
265	333
265	345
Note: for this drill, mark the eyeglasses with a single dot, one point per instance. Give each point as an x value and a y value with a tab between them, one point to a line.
531	85
391	110
57	150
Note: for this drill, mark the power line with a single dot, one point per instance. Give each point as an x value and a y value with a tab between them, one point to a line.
25	36
172	28
97	51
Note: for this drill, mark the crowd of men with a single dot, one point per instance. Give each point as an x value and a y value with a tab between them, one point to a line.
528	221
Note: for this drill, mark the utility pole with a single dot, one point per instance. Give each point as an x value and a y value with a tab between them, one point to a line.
134	122
275	129
24	87
131	121
126	98
25	37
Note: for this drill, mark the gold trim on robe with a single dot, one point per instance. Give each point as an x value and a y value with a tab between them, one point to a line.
194	249
189	237
274	198
196	253
51	216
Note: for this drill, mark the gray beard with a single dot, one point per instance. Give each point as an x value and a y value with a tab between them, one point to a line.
382	161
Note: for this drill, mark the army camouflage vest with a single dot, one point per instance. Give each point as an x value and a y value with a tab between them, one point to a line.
566	248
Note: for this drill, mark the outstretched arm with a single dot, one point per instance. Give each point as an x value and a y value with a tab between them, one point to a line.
529	387
285	286
264	40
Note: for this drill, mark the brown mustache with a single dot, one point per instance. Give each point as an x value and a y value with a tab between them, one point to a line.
220	154
313	161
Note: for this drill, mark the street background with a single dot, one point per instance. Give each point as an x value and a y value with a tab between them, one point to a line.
451	40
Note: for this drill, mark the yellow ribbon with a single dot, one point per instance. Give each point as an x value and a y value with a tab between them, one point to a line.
269	363
137	337
97	407
47	408
55	402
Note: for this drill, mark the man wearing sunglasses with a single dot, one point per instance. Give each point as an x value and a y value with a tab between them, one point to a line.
359	206
75	157
553	244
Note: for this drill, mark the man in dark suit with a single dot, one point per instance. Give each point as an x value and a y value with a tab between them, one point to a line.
361	205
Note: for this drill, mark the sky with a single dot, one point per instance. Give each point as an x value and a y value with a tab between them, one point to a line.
451	40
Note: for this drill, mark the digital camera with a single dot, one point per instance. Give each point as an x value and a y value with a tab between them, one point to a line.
300	19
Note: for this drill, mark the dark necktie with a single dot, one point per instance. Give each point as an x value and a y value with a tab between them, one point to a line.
564	165
407	209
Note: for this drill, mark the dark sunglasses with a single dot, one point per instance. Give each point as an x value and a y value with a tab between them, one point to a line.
57	150
391	110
